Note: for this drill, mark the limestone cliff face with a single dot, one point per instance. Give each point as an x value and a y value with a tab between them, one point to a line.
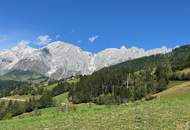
60	60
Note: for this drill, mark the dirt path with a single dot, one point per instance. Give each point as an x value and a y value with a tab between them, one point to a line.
12	99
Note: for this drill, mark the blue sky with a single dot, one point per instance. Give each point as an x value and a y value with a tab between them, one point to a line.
96	24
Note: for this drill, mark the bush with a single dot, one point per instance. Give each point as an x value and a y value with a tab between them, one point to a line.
46	100
188	76
180	76
161	85
107	99
150	97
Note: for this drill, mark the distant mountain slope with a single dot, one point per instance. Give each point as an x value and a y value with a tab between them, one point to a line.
60	60
179	59
19	75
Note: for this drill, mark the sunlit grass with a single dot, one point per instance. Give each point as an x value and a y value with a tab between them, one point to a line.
179	90
62	98
73	81
51	86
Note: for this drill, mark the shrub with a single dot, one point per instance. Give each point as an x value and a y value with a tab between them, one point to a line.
36	112
150	97
107	99
46	100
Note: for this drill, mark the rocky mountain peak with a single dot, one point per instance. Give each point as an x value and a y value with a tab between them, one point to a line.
61	60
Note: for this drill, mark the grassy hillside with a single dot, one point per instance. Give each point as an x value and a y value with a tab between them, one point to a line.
51	86
167	112
187	70
62	98
176	91
73	81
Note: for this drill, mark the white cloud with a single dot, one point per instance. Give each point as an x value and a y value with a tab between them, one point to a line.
43	40
21	44
123	47
93	38
24	42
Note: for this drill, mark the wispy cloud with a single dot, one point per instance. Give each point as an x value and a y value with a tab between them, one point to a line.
3	38
43	40
79	41
57	36
93	38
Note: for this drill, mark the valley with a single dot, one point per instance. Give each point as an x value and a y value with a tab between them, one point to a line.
94	65
151	92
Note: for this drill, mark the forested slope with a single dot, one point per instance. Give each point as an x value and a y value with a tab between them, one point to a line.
131	80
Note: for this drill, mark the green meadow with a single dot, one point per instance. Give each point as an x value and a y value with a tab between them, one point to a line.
170	111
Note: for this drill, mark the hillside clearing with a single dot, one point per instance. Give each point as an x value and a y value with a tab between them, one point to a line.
51	86
22	98
178	90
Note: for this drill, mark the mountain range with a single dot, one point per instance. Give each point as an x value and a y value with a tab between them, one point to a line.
59	60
